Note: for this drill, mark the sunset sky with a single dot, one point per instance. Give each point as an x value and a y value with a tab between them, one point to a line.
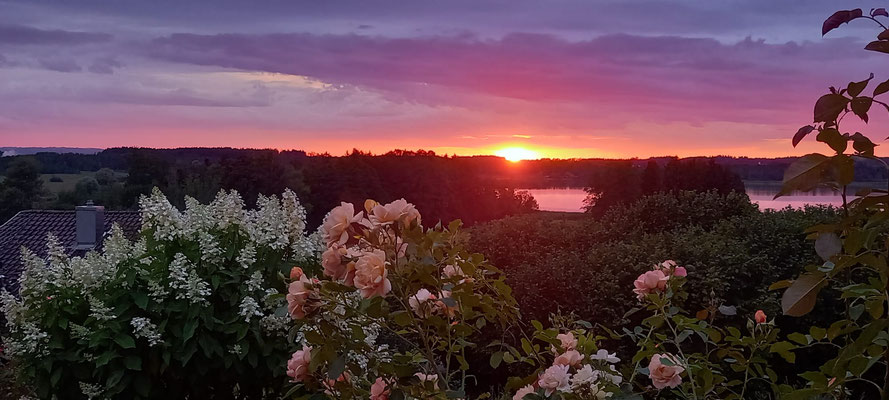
559	78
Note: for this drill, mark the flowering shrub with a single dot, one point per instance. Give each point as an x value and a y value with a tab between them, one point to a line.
394	310
190	310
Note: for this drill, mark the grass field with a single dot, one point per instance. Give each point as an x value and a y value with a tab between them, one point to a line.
69	180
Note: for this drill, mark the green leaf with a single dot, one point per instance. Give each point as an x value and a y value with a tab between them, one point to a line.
188	329
828	245
336	368
829	107
141	299
799	338
496	359
855	88
133	363
804	174
881	88
881	46
780	284
125	341
800	297
833	138
860	107
802	133
862	144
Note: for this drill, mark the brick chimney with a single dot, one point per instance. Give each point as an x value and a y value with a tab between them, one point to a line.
90	221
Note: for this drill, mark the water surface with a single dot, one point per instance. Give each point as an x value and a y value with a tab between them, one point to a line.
762	193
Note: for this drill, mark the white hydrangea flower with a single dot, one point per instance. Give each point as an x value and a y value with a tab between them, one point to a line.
275	324
185	281
91	390
247	256
144	328
99	310
250	308
158	214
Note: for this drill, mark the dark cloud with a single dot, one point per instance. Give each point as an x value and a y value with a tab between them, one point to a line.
531	67
26	35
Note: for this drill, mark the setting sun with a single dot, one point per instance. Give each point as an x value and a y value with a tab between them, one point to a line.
516	154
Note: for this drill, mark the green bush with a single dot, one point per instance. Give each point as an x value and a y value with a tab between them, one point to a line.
191	310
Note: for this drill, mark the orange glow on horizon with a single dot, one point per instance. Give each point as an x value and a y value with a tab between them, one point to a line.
516	154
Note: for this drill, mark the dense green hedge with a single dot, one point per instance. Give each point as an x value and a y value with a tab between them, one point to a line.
586	265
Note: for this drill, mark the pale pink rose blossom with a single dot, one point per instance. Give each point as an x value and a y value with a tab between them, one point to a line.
332	261
520	394
569	342
379	390
570	358
302	297
680	271
336	225
418	301
555	378
663	375
371	274
650	282
298	365
398	210
670	268
452	270
295	273
433	378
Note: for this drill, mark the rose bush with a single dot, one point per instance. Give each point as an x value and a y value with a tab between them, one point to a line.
394	309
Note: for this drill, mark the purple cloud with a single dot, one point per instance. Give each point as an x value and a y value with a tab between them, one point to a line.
60	64
27	35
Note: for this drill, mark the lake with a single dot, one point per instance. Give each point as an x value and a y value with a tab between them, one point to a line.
571	199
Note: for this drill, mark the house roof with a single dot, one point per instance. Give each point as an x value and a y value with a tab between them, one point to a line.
30	228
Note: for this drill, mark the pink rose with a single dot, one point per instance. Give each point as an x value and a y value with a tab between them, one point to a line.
371	274
295	273
298	365
569	342
570	358
520	394
302	297
554	378
649	282
433	378
379	390
664	375
398	210
670	268
760	317
332	261
336	225
451	270
418	303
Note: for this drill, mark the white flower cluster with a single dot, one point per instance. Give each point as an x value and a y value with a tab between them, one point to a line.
249	309
144	328
276	223
31	341
184	280
91	390
99	310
